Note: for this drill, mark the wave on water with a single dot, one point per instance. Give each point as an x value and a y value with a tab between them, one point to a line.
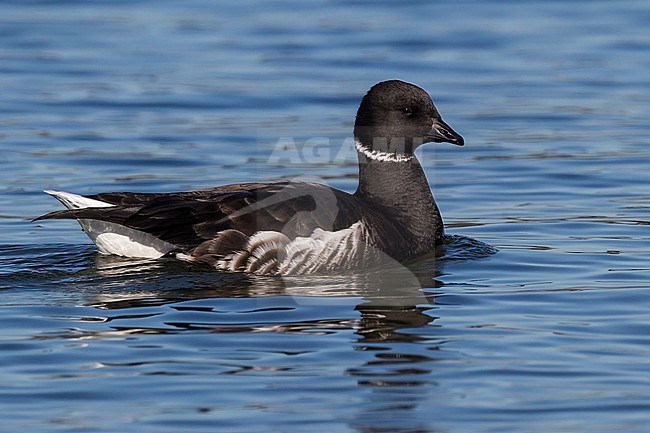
459	247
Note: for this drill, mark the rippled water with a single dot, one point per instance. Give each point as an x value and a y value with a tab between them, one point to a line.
549	334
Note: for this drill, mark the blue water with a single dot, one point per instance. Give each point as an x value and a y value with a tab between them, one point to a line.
549	334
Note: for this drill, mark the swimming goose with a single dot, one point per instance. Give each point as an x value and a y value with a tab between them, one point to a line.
292	227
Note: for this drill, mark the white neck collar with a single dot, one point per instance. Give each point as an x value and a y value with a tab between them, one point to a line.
377	155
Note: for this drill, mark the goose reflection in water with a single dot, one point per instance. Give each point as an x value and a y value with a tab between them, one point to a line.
381	311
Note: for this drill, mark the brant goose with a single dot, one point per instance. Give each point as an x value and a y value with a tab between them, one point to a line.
292	227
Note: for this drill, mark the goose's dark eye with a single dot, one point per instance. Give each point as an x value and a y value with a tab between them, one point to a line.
407	111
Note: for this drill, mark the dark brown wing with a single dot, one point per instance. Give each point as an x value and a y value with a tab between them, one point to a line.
187	219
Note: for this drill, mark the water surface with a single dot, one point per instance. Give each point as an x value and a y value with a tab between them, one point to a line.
551	333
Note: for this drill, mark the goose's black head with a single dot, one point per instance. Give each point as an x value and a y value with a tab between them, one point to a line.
395	117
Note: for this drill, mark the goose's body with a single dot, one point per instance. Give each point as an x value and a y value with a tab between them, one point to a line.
292	227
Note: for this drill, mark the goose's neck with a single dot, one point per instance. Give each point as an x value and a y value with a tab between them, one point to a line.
398	183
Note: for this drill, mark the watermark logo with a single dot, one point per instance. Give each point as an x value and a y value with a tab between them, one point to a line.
314	150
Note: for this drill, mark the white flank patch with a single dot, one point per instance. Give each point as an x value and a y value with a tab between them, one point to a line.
260	254
266	248
270	252
325	251
112	238
377	155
